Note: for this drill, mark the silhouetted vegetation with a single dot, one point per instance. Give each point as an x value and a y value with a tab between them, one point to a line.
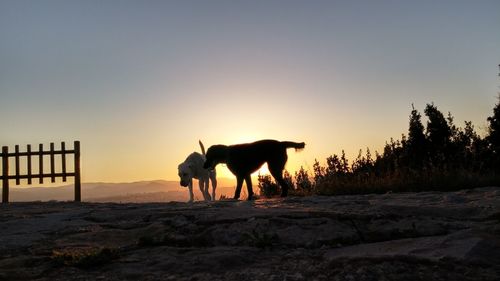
267	186
440	156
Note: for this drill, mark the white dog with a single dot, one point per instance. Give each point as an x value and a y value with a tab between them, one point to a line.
191	168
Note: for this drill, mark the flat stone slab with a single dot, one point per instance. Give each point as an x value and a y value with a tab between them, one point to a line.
406	236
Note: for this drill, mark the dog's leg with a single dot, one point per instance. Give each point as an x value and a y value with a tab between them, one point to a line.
239	184
191	195
214	184
284	186
206	183
248	181
276	170
201	183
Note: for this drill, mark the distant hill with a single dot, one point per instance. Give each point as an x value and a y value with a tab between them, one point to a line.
142	191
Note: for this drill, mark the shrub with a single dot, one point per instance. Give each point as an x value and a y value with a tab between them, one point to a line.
303	183
267	186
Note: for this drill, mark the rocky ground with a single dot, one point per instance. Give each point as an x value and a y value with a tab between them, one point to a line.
410	236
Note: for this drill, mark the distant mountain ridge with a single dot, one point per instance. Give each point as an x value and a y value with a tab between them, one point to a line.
141	191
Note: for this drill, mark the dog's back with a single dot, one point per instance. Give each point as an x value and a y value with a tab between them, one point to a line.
265	147
195	162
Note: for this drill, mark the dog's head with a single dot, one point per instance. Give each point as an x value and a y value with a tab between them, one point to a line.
215	154
185	173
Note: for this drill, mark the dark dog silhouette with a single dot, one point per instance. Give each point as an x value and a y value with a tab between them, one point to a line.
244	159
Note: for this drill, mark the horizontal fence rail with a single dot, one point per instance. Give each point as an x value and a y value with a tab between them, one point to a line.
29	175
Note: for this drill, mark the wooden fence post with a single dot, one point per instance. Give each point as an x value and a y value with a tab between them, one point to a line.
28	149
78	187
40	163
18	173
52	164
63	159
5	174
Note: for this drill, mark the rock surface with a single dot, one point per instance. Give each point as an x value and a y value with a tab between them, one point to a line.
409	236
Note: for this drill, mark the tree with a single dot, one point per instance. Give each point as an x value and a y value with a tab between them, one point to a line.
319	172
438	134
494	128
416	144
493	137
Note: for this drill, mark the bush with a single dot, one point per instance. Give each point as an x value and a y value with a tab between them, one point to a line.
267	186
303	183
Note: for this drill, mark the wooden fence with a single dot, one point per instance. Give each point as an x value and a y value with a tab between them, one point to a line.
18	176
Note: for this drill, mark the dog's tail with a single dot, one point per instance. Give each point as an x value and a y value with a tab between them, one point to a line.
202	147
297	145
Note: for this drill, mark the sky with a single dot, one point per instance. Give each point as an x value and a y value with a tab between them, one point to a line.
140	82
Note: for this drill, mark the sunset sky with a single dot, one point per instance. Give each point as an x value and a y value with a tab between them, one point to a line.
140	82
